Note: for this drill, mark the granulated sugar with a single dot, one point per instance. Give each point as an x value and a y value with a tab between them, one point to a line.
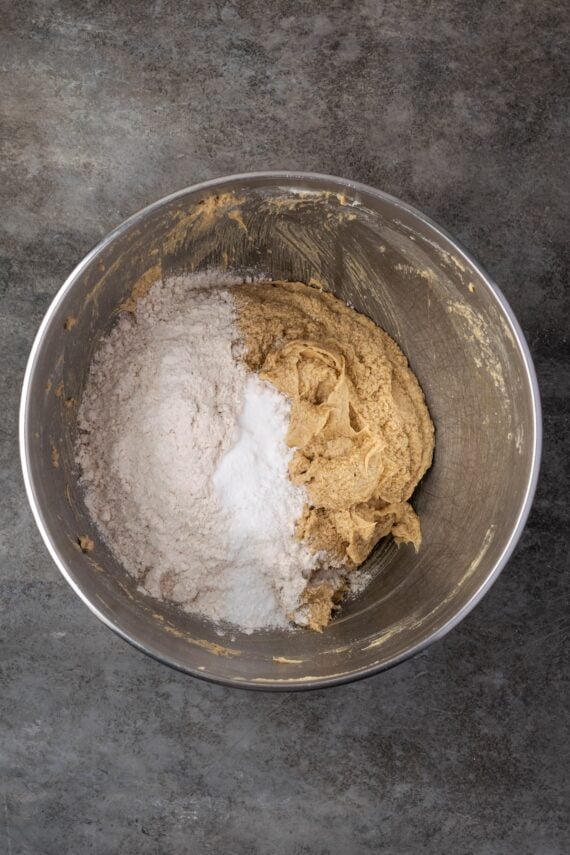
184	462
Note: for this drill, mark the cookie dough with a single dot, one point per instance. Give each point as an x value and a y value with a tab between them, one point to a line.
359	422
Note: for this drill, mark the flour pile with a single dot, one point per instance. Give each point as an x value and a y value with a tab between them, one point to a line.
184	463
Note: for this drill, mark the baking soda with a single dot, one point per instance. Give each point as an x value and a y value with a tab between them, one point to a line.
261	503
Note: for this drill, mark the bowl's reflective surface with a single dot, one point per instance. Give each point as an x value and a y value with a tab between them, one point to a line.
461	339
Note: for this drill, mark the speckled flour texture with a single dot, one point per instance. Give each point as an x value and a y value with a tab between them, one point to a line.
167	398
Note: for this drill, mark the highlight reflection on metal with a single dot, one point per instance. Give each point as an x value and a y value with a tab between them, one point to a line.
463	342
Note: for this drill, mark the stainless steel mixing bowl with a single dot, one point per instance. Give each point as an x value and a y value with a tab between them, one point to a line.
462	340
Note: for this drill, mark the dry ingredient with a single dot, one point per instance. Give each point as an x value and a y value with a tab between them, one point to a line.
243	449
262	506
167	398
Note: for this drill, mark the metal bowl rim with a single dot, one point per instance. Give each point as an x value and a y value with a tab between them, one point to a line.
341	184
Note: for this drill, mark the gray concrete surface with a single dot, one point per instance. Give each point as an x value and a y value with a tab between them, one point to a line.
456	107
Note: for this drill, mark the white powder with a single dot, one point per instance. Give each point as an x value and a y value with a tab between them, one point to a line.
184	462
262	504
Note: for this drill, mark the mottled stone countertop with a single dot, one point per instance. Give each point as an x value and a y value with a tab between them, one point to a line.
455	107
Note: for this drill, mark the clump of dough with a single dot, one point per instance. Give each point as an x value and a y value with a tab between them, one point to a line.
359	422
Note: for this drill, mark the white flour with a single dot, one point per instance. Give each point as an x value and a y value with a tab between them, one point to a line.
184	462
